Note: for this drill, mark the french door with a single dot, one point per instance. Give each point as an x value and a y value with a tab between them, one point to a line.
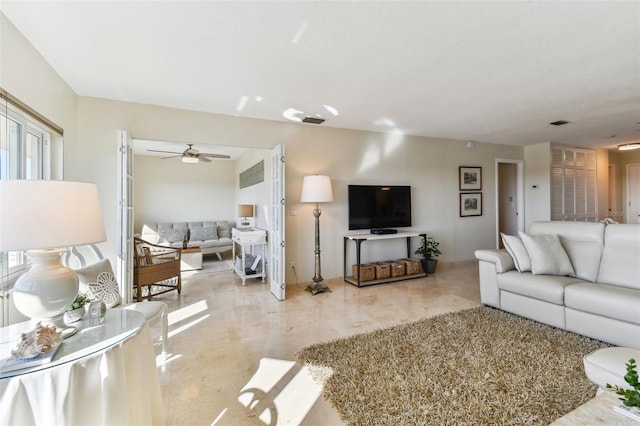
276	235
125	215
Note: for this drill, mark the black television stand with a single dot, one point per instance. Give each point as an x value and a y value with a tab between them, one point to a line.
383	231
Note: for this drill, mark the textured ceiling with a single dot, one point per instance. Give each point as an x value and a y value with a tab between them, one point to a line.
487	71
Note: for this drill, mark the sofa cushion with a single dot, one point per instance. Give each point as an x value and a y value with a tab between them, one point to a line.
171	235
202	233
220	242
547	255
518	252
224	229
611	301
582	241
620	263
549	288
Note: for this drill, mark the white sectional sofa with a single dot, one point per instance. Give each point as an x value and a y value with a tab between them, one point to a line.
601	299
213	237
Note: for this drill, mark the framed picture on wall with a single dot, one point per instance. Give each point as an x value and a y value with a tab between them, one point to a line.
470	178
470	204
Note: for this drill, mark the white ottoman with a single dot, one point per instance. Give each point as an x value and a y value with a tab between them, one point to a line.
608	365
191	259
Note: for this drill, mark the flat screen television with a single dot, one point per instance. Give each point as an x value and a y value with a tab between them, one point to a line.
381	206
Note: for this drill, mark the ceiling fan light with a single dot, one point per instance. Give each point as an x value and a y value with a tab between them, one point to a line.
187	159
629	146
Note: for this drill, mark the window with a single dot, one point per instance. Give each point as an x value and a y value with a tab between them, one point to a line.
24	154
573	184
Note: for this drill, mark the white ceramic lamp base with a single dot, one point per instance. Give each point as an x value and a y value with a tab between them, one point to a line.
47	289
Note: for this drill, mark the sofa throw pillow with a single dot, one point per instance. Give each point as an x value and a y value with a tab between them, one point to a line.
100	283
171	235
518	252
548	257
204	233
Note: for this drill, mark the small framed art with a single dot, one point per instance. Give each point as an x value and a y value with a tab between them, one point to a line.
470	204
470	178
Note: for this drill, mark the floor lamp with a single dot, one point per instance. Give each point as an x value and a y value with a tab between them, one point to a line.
317	189
44	217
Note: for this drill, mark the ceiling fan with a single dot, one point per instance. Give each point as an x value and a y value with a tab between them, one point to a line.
191	155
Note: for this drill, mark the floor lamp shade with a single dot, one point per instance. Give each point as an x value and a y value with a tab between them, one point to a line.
316	189
44	218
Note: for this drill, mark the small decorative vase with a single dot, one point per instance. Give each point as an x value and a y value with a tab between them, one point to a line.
75	315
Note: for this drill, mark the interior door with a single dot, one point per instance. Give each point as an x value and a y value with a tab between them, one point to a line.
633	193
507	198
276	234
125	215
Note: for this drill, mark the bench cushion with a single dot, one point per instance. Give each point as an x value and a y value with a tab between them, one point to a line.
607	365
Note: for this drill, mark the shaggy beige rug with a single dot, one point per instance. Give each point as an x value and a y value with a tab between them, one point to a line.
479	366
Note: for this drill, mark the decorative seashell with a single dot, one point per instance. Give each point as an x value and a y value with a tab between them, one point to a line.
36	341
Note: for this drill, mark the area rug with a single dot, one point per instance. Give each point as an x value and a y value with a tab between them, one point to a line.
479	366
210	266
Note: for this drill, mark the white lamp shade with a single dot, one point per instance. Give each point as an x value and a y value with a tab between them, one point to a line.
41	214
316	189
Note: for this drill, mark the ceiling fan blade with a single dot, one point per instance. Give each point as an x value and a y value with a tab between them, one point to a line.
166	152
214	155
172	156
203	159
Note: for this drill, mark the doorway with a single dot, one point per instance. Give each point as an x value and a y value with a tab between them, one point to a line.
203	186
509	198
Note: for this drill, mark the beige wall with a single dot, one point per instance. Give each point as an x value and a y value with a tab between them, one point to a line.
25	74
602	175
429	165
173	191
537	183
625	158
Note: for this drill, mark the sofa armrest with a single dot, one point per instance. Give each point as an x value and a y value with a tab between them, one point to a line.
500	258
491	263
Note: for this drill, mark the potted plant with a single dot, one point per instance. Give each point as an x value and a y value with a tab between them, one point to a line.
429	252
77	309
630	397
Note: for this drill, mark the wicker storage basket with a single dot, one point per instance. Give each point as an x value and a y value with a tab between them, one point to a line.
397	269
367	271
383	270
412	266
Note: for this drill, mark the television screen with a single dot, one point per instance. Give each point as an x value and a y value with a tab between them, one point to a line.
382	206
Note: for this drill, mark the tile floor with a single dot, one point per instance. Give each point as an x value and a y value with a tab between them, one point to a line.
232	348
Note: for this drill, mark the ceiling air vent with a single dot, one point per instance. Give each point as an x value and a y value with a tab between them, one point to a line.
559	123
313	120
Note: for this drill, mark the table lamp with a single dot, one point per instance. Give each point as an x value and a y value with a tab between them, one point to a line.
245	213
317	189
45	217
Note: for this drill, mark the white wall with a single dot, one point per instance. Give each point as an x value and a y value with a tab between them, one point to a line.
172	191
260	194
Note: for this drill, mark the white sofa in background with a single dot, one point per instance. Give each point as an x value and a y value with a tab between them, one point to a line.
213	237
601	299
